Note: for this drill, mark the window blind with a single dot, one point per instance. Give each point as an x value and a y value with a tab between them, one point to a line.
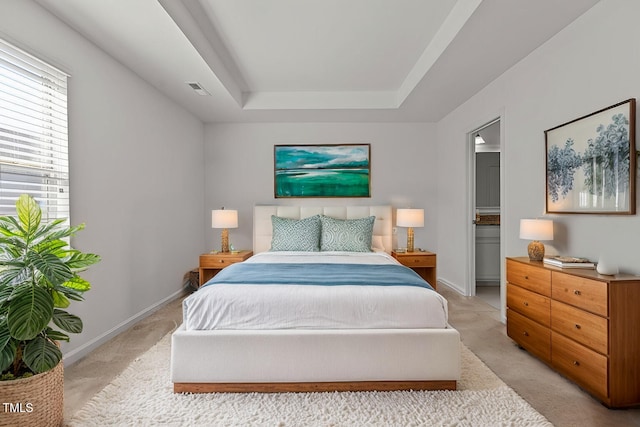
33	133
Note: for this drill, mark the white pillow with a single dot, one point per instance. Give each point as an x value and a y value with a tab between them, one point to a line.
376	243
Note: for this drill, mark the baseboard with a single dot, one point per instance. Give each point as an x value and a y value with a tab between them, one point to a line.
78	353
450	285
488	282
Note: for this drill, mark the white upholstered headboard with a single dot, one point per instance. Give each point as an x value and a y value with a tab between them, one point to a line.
262	228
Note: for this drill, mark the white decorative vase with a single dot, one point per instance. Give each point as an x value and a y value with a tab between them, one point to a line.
606	267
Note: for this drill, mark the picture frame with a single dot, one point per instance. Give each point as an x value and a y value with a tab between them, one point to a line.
591	163
322	170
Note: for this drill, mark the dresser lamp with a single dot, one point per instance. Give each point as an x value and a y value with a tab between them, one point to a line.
410	218
536	230
225	219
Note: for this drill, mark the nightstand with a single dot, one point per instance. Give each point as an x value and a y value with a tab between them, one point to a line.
211	264
423	263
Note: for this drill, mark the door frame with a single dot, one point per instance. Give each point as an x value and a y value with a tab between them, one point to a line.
470	287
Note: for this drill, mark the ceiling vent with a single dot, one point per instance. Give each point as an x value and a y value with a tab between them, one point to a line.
197	87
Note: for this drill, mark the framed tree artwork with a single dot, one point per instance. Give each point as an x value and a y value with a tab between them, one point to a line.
591	163
327	170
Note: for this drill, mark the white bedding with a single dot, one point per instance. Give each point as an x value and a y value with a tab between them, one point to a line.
263	307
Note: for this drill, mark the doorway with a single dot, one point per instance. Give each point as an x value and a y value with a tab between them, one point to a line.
486	236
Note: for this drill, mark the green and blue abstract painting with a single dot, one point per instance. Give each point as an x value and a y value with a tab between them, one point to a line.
332	170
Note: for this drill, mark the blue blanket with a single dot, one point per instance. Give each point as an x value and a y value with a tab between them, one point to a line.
318	274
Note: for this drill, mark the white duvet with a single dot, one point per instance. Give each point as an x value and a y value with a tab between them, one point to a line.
248	306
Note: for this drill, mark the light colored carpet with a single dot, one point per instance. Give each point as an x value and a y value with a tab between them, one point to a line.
142	396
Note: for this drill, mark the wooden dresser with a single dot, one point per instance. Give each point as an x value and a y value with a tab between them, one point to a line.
584	325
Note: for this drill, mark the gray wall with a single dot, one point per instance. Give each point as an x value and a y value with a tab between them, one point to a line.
136	177
239	169
572	75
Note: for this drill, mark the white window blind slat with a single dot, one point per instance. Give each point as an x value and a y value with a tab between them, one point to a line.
33	133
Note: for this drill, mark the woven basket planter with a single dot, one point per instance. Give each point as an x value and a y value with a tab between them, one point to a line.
35	401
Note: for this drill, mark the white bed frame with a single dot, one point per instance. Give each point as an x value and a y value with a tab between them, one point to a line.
315	360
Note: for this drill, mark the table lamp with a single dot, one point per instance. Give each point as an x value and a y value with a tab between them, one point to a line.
225	219
536	230
410	218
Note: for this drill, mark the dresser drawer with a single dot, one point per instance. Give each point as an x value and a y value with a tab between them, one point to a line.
530	335
418	261
536	279
584	366
588	294
584	327
532	305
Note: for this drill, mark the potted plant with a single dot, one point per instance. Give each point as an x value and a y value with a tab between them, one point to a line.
38	280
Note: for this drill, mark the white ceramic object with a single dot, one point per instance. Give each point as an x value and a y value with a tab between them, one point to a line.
606	267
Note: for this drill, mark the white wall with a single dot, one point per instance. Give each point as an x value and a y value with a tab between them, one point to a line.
591	64
239	170
136	177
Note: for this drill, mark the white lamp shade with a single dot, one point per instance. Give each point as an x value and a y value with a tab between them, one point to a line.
224	218
536	229
410	218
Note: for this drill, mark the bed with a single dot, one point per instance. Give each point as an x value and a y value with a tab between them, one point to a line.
288	333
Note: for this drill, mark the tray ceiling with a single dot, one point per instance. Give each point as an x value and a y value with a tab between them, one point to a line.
319	60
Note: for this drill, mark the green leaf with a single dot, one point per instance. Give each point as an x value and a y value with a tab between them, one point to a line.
29	214
79	261
51	246
52	268
41	355
60	300
10	226
8	347
78	284
67	321
29	312
47	231
57	234
13	275
56	335
72	294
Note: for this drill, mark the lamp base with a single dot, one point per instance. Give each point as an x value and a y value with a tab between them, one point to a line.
536	251
410	239
225	240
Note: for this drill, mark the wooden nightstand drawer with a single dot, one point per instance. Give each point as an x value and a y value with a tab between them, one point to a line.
532	278
216	261
417	261
534	306
584	366
530	335
587	294
586	328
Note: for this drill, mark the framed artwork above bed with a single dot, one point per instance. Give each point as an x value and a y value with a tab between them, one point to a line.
325	170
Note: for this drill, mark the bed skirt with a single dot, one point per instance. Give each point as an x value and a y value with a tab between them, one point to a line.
314	360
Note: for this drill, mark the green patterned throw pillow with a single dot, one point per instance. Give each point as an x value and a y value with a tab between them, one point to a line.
350	235
295	234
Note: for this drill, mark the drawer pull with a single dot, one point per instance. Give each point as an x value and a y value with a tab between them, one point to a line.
576	363
221	261
577	292
526	304
578	326
525	333
526	277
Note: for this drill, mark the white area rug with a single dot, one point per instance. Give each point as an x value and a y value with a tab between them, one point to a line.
142	396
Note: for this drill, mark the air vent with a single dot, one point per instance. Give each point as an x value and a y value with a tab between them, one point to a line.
197	87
